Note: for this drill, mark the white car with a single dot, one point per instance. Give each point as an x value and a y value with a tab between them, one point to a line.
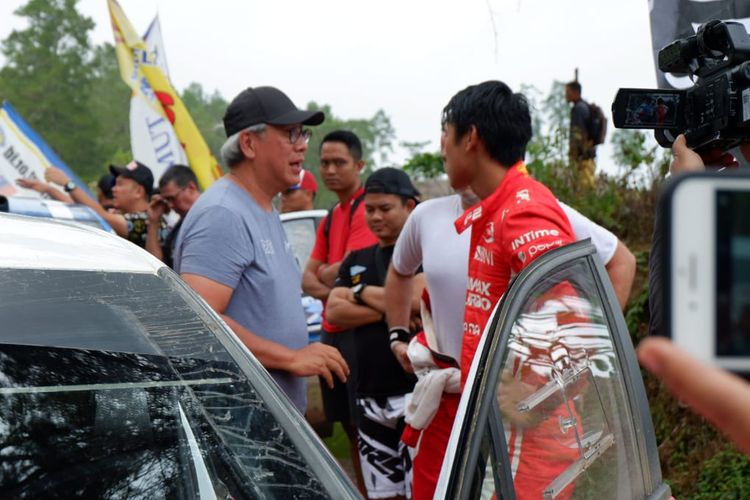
118	381
300	228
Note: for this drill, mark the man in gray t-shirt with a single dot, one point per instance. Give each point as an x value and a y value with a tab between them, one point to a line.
232	248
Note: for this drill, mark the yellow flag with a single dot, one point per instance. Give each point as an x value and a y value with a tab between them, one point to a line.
138	70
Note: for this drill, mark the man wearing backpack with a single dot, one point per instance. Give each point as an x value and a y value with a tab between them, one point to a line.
586	131
342	231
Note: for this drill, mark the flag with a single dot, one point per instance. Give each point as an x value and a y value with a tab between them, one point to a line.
25	155
673	19
141	72
152	138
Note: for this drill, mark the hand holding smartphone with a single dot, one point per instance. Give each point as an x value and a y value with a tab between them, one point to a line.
706	262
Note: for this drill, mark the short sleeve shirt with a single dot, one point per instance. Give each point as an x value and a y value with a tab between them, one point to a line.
378	372
228	238
343	237
138	228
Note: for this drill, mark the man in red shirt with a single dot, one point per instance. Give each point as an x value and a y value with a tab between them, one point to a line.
343	230
486	128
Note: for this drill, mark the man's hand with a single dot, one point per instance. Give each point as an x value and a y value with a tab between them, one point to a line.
510	392
687	160
399	350
35	184
156	209
721	397
54	174
319	359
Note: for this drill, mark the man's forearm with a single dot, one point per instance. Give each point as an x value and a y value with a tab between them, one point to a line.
153	244
118	222
621	271
398	296
344	314
329	274
271	355
374	296
313	287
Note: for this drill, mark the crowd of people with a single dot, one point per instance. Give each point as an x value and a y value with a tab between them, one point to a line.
409	285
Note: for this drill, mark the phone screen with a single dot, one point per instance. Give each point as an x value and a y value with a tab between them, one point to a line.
732	273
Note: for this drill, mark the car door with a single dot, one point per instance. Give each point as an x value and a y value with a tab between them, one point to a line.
555	406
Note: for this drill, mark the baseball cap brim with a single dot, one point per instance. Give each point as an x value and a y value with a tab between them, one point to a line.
299	116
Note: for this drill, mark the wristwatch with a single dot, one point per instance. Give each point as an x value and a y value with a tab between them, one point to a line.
357	290
69	186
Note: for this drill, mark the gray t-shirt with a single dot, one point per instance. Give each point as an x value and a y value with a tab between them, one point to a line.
228	238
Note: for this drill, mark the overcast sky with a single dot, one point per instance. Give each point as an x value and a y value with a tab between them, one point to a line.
407	57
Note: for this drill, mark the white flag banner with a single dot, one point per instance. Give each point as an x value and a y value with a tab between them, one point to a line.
152	137
24	155
673	19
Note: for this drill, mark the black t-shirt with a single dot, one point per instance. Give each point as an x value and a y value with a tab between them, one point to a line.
378	372
167	249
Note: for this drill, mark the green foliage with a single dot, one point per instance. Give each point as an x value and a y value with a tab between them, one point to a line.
108	103
207	112
423	166
48	78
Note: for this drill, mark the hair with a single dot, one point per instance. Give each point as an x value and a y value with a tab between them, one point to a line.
501	118
181	175
350	140
574	86
231	152
106	182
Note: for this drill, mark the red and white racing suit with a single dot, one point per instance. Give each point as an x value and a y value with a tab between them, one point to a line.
519	222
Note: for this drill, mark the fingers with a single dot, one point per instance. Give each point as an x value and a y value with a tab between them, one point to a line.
326	374
685	159
721	397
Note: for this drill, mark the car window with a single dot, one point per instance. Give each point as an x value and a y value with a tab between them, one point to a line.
301	235
560	394
121	385
556	419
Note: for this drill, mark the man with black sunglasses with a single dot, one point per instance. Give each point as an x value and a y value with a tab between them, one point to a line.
232	248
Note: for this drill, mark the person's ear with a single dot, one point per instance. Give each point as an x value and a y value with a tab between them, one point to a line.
472	139
360	165
248	144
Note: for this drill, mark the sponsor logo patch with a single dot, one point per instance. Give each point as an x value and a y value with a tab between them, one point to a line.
530	236
484	256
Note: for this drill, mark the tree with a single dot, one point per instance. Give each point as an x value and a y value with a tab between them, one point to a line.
48	77
109	102
207	112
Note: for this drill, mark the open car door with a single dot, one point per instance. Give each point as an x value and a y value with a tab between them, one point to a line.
555	406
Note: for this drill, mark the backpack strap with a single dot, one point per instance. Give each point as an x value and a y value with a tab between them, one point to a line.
355	203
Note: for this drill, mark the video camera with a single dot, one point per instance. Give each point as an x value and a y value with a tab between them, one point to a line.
715	112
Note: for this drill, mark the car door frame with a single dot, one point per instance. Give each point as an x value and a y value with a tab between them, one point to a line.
477	403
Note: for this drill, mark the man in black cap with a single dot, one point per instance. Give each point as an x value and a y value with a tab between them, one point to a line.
357	301
232	248
131	193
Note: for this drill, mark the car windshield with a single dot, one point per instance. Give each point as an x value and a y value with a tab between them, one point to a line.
120	385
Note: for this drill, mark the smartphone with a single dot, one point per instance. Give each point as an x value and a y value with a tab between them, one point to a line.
649	109
706	267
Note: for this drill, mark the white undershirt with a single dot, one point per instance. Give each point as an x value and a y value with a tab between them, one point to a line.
429	239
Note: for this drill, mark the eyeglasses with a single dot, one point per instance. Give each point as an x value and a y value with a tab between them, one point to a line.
297	133
171	198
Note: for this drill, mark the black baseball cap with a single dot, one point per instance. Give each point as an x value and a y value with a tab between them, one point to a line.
389	180
265	105
137	171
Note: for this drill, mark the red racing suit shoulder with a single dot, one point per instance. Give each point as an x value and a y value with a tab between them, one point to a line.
519	222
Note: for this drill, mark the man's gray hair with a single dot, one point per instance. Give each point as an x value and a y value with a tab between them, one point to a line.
231	153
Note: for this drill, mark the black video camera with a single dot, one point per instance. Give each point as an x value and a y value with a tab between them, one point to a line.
715	112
